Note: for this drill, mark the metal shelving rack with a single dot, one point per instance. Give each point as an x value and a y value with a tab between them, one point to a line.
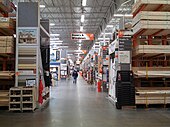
7	58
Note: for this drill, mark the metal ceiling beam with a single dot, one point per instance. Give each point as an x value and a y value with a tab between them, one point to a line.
77	25
109	14
72	28
75	13
68	18
67	6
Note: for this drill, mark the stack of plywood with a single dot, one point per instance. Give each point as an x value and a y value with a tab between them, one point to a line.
152	95
6	44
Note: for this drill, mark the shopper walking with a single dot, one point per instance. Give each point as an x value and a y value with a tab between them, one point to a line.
75	75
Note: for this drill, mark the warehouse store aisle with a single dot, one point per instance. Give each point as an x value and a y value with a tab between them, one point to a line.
80	106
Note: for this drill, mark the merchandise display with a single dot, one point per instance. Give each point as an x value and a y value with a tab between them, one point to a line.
151	52
7	51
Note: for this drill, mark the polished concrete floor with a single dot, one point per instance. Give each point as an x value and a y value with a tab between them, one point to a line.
81	106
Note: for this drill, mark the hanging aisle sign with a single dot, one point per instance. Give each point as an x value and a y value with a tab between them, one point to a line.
82	36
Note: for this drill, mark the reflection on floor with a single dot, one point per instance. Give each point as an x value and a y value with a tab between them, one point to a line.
81	106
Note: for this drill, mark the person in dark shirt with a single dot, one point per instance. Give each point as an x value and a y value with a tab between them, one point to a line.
75	75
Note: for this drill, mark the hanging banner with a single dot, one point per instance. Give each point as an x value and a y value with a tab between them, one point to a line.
82	36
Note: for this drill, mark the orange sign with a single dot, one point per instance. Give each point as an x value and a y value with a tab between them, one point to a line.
82	36
84	51
120	34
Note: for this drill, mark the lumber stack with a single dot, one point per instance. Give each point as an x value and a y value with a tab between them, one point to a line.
154	16
151	72
152	95
151	52
4	98
6	75
6	22
151	49
151	5
6	44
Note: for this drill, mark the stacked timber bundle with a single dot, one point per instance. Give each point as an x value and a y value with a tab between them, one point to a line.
6	44
153	95
4	98
151	27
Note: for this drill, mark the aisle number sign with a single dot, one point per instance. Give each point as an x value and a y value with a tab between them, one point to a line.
82	36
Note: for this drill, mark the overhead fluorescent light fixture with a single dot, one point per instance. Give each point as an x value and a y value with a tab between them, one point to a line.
52	24
42	6
121	15
54	34
82	18
103	38
109	26
84	2
107	33
81	28
56	41
80	41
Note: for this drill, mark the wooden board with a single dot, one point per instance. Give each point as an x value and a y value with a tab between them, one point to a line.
151	15
151	88
6	75
152	74
151	5
26	66
152	95
152	26
152	101
27	51
4	98
151	49
151	68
